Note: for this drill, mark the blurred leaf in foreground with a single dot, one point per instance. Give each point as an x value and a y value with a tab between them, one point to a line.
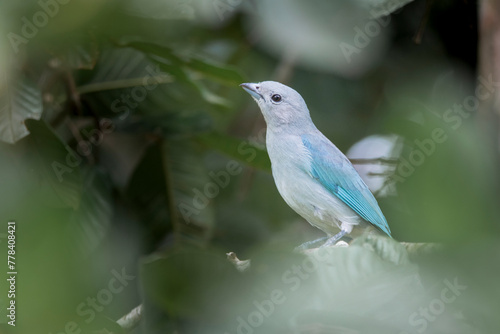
19	100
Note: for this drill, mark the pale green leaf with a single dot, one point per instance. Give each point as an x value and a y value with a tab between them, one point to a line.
19	100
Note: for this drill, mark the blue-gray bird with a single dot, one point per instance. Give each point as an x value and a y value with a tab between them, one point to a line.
312	175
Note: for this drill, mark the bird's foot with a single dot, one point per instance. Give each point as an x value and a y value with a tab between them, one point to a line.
310	244
333	240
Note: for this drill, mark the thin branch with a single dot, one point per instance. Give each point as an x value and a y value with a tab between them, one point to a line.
125	83
382	174
423	24
380	161
241	265
75	131
131	320
387	183
417	249
169	185
72	92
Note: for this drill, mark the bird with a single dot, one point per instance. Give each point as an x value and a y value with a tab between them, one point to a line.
311	174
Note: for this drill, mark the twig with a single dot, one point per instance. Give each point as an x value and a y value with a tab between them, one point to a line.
380	161
117	84
241	265
387	182
131	320
417	249
75	131
171	205
420	33
72	92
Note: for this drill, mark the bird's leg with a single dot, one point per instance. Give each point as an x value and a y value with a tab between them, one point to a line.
333	240
309	244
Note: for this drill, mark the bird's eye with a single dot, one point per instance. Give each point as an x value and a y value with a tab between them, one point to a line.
276	97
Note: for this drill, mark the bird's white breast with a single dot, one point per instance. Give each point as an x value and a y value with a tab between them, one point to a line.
291	167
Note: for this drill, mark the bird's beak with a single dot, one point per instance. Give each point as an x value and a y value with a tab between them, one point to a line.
252	89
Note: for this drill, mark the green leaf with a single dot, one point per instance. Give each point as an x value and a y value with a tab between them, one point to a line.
370	284
118	69
354	287
156	49
181	124
187	178
125	83
379	8
147	193
223	73
79	50
19	100
161	190
56	164
210	69
92	219
101	324
242	150
191	283
82	55
170	65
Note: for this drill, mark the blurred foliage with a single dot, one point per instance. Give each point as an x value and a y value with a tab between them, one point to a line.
132	162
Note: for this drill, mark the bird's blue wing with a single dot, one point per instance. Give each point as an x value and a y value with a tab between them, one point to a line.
334	171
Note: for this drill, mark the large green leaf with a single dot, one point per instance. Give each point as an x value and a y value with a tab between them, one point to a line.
57	166
217	71
191	283
146	95
242	150
118	68
83	53
101	325
368	287
187	179
78	50
93	217
205	67
379	8
147	193
116	74
19	100
181	124
162	191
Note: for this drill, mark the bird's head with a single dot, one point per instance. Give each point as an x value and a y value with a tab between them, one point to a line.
280	104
